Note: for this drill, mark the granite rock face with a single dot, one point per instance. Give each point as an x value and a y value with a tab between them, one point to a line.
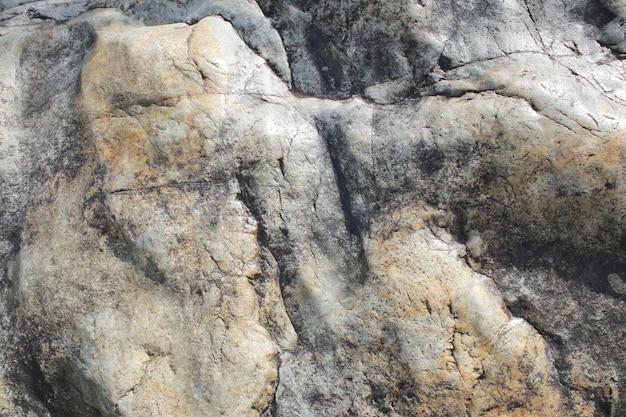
294	208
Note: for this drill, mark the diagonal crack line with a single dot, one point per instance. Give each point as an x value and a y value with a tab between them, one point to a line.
537	31
161	186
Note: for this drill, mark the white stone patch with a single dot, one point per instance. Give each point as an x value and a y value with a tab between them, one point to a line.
617	284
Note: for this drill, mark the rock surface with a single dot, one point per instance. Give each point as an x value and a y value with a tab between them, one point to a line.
295	208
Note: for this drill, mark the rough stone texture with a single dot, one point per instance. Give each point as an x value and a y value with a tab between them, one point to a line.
294	208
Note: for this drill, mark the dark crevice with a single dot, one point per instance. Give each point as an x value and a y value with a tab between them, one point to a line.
278	245
281	165
355	226
272	407
522	308
445	63
98	216
332	141
179	185
247	196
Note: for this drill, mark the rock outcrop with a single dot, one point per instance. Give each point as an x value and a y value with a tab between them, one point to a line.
294	208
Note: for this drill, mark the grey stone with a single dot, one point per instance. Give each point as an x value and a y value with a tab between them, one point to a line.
353	208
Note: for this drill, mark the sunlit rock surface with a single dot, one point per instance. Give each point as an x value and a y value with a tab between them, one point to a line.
293	208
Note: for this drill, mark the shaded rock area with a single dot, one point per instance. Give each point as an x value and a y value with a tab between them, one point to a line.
297	208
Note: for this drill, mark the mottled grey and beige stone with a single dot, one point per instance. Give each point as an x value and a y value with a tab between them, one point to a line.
303	208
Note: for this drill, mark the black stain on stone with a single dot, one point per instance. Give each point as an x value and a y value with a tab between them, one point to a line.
50	73
341	77
42	371
328	63
51	144
429	158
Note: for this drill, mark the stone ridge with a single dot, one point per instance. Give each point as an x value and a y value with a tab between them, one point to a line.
299	208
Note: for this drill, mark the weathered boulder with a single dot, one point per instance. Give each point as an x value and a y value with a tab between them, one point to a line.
312	208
